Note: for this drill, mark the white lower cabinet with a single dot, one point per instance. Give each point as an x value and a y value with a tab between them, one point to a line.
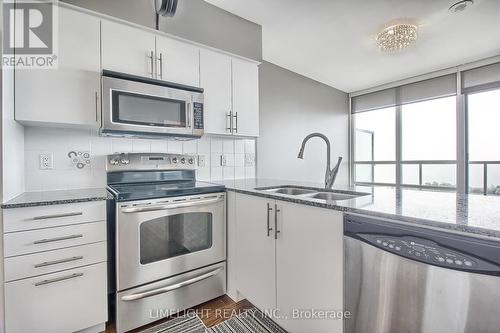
255	262
55	266
297	270
61	302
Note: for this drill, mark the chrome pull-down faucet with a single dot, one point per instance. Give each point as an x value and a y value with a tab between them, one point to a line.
330	174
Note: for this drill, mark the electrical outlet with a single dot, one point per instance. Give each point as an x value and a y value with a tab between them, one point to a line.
202	161
223	160
249	160
46	161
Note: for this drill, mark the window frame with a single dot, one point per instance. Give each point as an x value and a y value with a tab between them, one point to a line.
462	139
398	158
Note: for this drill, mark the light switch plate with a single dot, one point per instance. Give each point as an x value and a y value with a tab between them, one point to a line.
46	161
249	160
223	160
202	161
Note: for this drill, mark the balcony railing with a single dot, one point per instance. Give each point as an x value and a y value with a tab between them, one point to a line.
421	185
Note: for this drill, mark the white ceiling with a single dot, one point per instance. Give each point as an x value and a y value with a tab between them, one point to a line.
333	41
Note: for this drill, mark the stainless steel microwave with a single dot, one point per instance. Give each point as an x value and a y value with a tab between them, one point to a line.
137	106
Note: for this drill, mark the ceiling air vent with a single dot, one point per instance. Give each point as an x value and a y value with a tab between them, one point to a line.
166	7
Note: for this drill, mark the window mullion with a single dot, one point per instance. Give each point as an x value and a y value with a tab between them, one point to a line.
399	136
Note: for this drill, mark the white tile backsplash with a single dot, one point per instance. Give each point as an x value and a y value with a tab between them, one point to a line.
66	176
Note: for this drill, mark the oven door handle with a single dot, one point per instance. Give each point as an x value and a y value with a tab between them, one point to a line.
170	206
149	293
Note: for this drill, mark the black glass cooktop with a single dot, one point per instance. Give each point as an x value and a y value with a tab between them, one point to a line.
140	191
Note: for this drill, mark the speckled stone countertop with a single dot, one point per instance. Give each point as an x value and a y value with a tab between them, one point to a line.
473	214
45	198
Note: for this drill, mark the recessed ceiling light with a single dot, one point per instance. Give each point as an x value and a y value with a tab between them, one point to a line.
460	6
397	36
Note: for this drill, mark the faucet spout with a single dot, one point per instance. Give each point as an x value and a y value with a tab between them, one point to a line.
330	174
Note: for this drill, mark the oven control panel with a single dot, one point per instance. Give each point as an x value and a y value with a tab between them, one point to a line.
150	161
421	250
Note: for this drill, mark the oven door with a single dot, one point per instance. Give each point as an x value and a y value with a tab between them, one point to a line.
164	237
131	107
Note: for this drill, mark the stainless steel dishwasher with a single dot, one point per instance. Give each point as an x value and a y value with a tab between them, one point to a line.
400	278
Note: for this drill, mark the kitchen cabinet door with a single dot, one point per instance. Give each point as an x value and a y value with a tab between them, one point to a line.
215	78
67	95
309	253
177	61
245	97
255	270
127	50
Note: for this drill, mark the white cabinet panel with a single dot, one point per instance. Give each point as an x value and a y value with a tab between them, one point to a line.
69	94
126	49
255	273
39	217
309	254
215	78
18	243
180	62
246	97
62	302
21	267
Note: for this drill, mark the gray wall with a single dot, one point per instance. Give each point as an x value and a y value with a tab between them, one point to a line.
292	106
195	20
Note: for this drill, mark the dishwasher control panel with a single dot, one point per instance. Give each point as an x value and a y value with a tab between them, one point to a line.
421	250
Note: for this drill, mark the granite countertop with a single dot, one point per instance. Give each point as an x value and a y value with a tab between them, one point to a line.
45	198
473	214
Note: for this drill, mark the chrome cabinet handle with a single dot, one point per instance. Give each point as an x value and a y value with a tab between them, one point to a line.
230	116
55	216
62	278
276	231
160	62
154	292
269	229
151	57
55	262
96	106
169	206
236	122
57	239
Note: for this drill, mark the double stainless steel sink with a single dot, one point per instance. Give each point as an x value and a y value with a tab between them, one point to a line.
317	194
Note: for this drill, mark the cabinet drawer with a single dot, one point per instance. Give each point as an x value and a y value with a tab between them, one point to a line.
63	302
18	219
22	267
19	243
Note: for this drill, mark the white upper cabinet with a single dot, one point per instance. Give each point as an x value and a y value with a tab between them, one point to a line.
215	78
231	94
128	50
177	61
69	94
245	98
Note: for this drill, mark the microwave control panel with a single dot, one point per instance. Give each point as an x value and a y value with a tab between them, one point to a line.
198	115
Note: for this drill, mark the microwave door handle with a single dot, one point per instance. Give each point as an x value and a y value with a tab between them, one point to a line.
170	206
189	111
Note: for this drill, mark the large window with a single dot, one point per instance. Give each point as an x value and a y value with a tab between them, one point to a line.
429	143
375	152
411	143
421	135
484	141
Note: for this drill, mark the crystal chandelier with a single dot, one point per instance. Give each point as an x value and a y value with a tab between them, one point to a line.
396	37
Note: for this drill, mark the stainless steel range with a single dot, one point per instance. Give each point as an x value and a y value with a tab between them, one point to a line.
169	233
